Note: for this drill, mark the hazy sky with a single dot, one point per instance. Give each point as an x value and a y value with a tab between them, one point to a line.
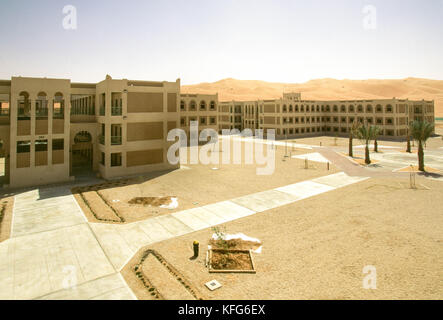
205	41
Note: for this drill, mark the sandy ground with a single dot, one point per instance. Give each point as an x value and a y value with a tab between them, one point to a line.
317	248
326	89
5	222
196	185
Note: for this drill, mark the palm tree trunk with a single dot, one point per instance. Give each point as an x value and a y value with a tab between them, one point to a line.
367	159
421	160
350	146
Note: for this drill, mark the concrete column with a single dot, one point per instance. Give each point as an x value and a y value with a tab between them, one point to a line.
33	117
50	117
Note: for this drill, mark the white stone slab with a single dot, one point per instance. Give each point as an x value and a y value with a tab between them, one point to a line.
115	246
111	287
315	156
32	215
305	189
191	220
134	236
207	216
252	203
229	210
155	230
338	180
173	225
40	263
274	198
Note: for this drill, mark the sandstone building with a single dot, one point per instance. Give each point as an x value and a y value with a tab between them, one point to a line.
52	130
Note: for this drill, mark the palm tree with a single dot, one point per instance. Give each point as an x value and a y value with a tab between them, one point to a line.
420	132
408	144
367	133
352	133
377	132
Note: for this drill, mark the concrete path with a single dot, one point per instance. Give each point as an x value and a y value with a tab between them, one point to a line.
121	242
265	141
53	247
45	209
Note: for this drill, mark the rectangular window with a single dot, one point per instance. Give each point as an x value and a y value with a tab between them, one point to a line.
102	158
58	144
116	159
23	146
41	145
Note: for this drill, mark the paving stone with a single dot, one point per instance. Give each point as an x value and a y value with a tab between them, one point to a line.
190	220
111	287
305	189
338	180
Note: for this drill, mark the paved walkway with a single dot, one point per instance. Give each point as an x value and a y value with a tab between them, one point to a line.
52	245
384	168
121	242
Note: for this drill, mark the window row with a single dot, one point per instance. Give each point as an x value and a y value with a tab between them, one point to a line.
192	106
335	108
201	121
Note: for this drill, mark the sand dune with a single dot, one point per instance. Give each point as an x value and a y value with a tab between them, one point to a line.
326	89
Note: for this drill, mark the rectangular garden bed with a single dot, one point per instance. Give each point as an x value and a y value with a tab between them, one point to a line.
230	260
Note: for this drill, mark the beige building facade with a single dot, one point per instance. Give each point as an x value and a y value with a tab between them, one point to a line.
290	116
202	108
52	129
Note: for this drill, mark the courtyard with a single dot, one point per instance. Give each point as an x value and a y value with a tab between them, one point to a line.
321	218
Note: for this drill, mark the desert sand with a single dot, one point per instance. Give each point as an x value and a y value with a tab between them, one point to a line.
326	89
317	248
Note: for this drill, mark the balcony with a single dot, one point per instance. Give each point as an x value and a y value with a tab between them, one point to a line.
116	140
101	139
41	112
116	111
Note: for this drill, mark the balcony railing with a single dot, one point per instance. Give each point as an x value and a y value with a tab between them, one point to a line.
116	140
101	139
116	111
41	112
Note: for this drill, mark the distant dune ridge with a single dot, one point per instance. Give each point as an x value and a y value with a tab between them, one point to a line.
326	89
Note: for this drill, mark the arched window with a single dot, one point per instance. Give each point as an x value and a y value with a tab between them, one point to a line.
58	105
192	105
212	105
182	105
202	105
368	108
351	108
82	136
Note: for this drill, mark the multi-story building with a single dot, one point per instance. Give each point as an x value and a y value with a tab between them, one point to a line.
290	116
199	107
50	128
231	115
